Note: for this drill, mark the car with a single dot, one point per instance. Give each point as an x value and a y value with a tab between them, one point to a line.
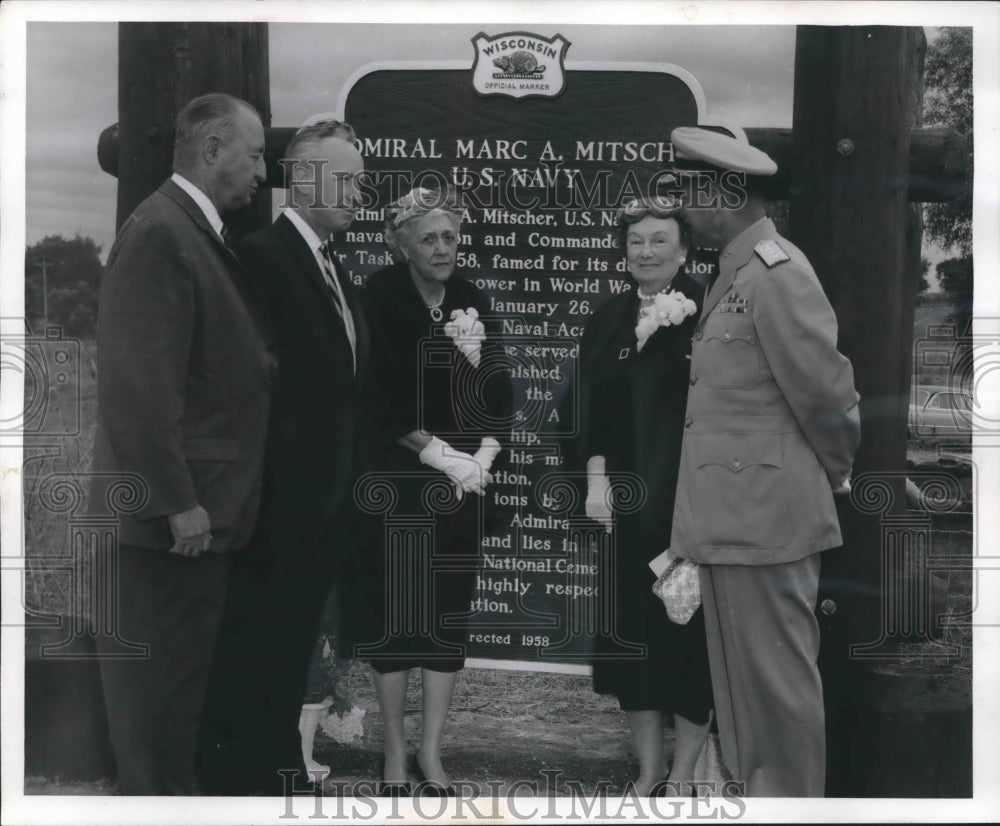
937	411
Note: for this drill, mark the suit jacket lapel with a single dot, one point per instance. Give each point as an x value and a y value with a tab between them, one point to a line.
357	314
722	285
346	287
244	282
729	264
305	261
194	212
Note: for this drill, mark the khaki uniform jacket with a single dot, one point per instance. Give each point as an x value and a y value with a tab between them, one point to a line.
772	422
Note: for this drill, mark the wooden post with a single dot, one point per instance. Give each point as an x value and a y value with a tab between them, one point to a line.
856	99
161	66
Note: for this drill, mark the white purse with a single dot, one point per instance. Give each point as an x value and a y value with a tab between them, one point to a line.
677	586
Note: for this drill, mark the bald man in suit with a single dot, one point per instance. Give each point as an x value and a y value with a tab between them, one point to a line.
185	362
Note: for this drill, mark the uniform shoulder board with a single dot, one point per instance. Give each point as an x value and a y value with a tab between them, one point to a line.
771	252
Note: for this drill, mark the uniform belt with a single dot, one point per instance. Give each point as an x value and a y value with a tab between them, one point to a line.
742	423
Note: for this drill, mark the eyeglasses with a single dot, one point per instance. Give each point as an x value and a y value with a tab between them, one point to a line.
658	206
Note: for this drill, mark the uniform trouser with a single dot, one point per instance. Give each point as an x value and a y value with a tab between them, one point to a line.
763	641
174	605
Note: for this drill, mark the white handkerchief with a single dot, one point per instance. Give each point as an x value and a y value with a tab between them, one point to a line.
660	564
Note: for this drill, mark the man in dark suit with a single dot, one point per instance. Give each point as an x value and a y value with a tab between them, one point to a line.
314	455
184	366
771	430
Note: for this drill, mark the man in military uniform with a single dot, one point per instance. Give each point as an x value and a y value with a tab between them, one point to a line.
771	430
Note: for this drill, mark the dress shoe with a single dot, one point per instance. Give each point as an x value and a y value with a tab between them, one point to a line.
398	788
391	788
429	787
673	788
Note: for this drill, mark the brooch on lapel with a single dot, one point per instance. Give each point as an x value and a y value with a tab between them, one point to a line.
623	354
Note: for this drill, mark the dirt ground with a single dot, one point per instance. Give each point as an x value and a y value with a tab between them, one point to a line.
505	728
549	730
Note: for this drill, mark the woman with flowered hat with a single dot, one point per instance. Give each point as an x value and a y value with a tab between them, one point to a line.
441	408
634	374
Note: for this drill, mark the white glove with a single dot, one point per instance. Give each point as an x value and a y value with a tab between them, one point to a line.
488	451
468	475
598	505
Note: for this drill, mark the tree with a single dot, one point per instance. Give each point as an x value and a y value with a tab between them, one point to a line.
948	102
955	275
922	284
71	271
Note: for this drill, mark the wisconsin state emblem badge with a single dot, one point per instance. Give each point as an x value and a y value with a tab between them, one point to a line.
519	65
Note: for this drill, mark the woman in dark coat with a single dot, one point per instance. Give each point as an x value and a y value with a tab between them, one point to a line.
635	369
440	406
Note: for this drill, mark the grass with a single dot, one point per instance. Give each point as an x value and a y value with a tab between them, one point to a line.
71	410
503	693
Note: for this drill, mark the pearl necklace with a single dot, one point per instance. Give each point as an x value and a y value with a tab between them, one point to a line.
435	309
653	296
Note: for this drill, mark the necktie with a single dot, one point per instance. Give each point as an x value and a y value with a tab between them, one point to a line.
227	237
339	299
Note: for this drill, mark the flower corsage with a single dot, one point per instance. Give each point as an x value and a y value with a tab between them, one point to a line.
468	333
666	310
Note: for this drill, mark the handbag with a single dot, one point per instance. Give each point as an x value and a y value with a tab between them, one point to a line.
679	590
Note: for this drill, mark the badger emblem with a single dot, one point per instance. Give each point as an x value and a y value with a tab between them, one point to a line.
521	63
510	65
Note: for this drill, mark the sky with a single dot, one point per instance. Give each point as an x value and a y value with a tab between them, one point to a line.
746	74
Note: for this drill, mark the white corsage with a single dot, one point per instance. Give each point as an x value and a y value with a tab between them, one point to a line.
468	333
666	310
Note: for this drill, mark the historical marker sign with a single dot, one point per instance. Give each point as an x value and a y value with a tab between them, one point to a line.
544	154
